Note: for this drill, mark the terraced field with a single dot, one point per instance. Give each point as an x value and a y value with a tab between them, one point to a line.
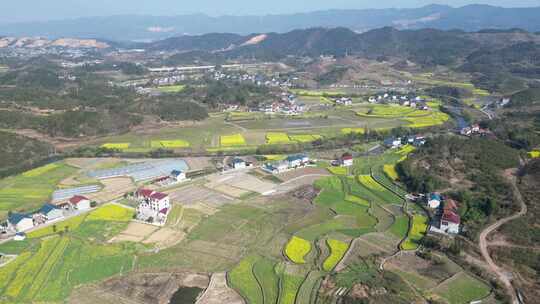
51	264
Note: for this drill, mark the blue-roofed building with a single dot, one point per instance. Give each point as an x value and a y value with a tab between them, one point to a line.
178	175
297	160
238	163
20	222
434	200
47	213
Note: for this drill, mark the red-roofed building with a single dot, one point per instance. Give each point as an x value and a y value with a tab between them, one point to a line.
450	219
143	193
80	202
153	206
347	160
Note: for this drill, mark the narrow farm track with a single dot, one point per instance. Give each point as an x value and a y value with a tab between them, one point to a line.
483	243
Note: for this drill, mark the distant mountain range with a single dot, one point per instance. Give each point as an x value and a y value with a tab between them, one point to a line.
144	28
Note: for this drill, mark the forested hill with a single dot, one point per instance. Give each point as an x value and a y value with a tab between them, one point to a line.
425	46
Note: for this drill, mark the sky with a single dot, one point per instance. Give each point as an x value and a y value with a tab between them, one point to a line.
39	10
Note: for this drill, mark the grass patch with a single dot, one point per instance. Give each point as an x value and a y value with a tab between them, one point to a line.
337	251
462	289
338	170
28	191
243	279
172	88
290	284
400	226
72	224
41	170
264	270
417	232
232	140
353	130
169	144
305	138
276	157
296	249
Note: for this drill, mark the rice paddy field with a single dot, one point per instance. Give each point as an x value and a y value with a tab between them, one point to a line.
29	190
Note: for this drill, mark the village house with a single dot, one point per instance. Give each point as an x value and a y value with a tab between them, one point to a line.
19	236
344	101
392	142
434	200
296	161
178	175
347	160
20	222
47	213
80	202
238	163
153	206
292	162
450	219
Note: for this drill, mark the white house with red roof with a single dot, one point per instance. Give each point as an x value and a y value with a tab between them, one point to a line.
153	206
450	219
80	202
347	160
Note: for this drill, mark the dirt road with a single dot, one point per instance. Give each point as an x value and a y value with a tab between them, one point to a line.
503	277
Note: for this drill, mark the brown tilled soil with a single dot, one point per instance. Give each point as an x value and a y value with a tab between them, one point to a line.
148	288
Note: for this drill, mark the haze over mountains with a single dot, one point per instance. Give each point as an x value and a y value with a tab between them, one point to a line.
140	27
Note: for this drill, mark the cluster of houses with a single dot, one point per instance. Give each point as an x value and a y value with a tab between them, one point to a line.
397	142
446	212
290	163
403	100
20	222
473	130
343	101
286	105
153	206
257	79
175	177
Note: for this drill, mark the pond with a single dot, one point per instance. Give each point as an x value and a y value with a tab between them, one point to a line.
185	295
